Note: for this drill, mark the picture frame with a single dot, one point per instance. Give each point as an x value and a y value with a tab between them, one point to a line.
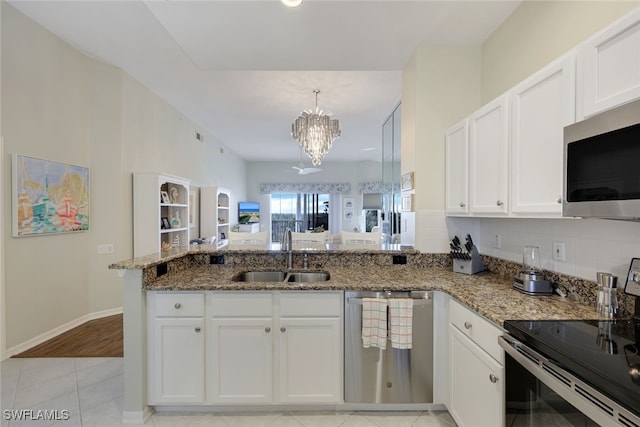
348	214
165	224
164	197
349	203
48	197
407	203
407	182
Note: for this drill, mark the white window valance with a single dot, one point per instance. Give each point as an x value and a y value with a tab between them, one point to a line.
325	188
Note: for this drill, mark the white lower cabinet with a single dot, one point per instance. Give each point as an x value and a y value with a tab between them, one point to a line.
476	370
257	347
290	351
176	339
309	368
240	360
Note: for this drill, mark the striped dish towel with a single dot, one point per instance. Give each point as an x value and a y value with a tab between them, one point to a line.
374	323
401	316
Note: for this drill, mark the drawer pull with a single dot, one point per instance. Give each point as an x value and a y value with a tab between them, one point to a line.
462	205
467	325
493	378
267	329
283	329
197	329
499	203
178	306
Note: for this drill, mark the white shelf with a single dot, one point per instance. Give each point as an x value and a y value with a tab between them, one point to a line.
148	211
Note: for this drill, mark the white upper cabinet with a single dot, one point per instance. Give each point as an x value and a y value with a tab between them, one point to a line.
488	158
457	169
541	107
609	66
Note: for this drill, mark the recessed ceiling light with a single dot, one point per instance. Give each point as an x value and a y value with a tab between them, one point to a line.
292	3
369	149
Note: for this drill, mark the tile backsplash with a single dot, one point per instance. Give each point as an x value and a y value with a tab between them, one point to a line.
592	245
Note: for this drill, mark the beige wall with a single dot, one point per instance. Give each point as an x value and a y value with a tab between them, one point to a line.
58	104
438	83
539	32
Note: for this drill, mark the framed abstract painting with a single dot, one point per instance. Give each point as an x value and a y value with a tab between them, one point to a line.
48	197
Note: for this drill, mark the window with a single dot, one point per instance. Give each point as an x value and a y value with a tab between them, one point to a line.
300	212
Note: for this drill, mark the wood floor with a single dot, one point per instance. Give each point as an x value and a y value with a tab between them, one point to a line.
96	338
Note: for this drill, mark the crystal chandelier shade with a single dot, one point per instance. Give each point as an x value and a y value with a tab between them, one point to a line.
315	132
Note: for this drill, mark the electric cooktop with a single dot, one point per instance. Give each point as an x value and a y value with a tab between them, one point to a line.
604	354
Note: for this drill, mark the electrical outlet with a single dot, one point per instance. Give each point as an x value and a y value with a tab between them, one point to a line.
497	242
559	251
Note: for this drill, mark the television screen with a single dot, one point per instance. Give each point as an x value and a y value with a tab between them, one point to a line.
248	212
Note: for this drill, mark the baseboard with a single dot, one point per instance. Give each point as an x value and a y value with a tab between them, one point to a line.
137	417
60	329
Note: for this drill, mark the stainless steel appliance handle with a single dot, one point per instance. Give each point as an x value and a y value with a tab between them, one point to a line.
585	398
416	301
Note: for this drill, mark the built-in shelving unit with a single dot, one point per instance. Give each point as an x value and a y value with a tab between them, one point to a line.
160	213
215	203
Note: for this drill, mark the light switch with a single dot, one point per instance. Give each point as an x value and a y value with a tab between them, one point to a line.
106	248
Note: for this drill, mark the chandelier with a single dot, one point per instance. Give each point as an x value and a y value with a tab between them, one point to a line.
315	132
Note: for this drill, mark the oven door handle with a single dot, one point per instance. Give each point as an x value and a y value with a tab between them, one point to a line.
585	398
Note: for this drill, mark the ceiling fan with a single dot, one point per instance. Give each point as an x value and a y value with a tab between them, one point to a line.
302	170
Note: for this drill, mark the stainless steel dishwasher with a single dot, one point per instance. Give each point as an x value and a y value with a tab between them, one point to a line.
373	375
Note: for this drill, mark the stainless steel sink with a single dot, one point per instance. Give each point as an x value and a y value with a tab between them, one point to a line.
282	276
308	276
261	276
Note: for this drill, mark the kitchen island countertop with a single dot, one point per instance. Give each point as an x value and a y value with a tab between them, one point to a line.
486	293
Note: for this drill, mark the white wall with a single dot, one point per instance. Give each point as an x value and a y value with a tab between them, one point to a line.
58	104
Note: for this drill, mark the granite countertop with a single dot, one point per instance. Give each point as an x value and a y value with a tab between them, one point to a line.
273	248
488	294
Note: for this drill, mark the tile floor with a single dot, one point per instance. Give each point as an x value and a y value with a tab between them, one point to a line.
90	389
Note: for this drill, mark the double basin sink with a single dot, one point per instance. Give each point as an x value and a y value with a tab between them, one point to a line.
282	276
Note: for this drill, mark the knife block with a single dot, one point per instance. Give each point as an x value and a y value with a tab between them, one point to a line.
469	266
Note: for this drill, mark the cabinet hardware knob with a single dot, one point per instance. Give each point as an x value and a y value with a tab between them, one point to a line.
467	325
267	329
559	200
197	328
178	306
499	203
283	329
462	205
493	378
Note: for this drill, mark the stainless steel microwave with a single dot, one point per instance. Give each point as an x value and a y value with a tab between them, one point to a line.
602	165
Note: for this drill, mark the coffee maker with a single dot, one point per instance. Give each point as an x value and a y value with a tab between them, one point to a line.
531	280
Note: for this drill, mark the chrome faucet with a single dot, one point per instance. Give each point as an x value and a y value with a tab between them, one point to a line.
287	245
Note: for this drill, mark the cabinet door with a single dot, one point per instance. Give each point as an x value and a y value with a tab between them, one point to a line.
610	66
178	371
240	360
541	107
310	360
457	169
477	384
489	156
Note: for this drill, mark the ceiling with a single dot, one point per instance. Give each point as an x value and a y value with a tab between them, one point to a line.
244	70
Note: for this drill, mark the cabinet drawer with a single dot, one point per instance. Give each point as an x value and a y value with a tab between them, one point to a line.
308	304
481	331
179	305
241	304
